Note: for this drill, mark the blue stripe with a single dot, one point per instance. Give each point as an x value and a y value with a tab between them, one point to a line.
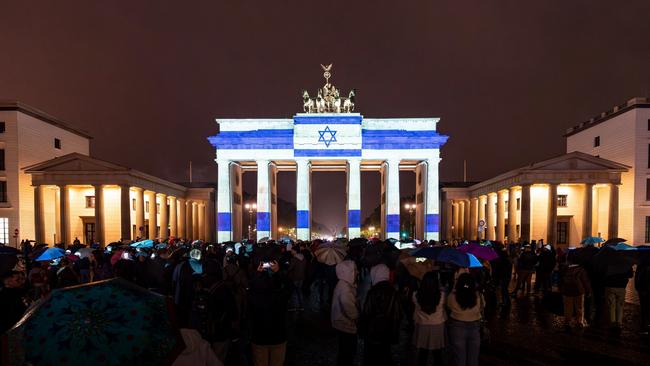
302	219
392	223
354	218
401	139
255	139
433	223
330	120
263	221
332	152
224	221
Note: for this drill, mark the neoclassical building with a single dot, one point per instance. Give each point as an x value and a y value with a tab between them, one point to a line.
560	200
77	196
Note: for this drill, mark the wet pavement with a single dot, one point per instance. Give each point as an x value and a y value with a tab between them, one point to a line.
526	335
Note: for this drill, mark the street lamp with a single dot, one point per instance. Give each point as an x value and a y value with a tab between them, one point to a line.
371	230
251	207
410	207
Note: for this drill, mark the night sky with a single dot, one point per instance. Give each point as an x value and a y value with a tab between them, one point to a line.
148	78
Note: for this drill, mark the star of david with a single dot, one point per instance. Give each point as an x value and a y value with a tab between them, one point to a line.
327	141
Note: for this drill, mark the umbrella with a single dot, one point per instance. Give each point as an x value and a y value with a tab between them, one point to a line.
609	261
614	241
8	250
465	260
51	253
330	255
429	252
623	246
143	244
415	267
85	252
7	262
591	240
479	251
112	322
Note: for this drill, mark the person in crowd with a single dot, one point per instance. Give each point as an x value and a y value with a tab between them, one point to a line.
267	312
429	319
615	284
574	285
345	312
465	305
66	276
502	275
642	286
38	280
12	299
525	267
296	274
101	266
380	319
547	262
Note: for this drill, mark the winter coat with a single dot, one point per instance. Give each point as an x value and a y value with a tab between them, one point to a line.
379	322
13	307
527	261
502	268
197	351
297	268
574	281
618	280
546	261
642	279
345	310
267	308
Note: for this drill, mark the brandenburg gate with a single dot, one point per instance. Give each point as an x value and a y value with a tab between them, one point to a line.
328	136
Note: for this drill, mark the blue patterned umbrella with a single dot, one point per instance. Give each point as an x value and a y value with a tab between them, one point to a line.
143	244
112	322
50	254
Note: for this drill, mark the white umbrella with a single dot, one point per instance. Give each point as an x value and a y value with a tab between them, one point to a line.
85	252
330	255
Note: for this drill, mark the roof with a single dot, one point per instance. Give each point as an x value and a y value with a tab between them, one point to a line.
638	102
12	105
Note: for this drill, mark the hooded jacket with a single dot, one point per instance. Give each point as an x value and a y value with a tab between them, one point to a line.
345	310
379	322
197	351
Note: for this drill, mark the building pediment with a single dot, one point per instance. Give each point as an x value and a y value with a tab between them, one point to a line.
577	161
74	163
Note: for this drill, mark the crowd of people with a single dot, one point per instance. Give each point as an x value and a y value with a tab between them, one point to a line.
238	296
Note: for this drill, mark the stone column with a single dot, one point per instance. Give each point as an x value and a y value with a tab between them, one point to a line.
139	213
153	217
196	231
467	226
189	230
263	200
392	199
491	216
224	204
501	216
164	223
482	200
455	219
473	219
201	220
612	226
99	215
512	215
421	200
354	198
588	206
64	211
182	218
432	197
39	214
125	212
460	229
208	223
551	225
273	205
173	217
303	221
525	213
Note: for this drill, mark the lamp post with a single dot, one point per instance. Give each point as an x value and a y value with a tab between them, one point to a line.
410	207
371	230
251	207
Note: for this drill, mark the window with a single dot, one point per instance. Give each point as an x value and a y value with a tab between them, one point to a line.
2	159
561	200
4	229
596	141
562	232
518	204
90	201
647	229
146	206
517	228
3	191
57	143
648	124
2	127
133	205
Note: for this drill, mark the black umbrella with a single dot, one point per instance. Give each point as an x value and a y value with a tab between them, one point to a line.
614	241
8	250
609	261
7	262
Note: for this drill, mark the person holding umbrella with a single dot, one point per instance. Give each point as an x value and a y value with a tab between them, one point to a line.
12	299
642	286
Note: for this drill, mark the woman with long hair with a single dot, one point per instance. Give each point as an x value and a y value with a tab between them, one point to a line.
429	318
465	306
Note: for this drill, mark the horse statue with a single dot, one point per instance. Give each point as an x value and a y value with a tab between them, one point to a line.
348	105
307	103
336	101
320	102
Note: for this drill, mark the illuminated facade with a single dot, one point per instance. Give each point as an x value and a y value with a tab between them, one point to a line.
327	142
622	134
28	136
560	200
77	196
